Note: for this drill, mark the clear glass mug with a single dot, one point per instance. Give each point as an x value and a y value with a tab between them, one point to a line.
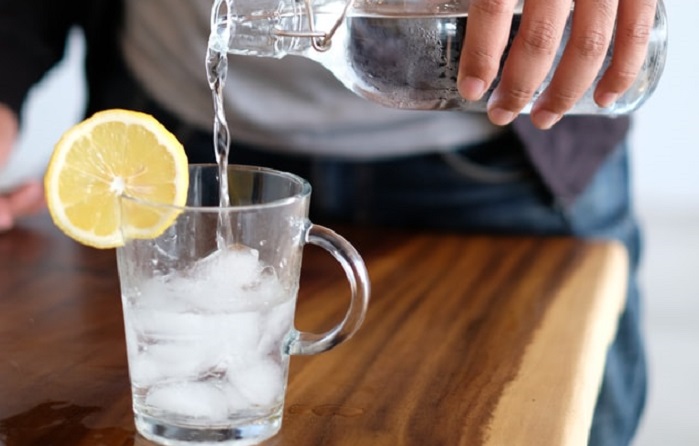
209	316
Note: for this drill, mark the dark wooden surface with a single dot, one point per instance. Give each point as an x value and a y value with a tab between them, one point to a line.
469	340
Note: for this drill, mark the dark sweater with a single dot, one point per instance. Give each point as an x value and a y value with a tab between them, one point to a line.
33	35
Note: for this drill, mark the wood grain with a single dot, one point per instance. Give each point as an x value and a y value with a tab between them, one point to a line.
469	340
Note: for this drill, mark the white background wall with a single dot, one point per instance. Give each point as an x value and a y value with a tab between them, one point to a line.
666	163
666	128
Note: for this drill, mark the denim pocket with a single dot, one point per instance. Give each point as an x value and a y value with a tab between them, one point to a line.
502	160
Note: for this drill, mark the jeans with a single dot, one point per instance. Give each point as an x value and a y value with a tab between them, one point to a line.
489	188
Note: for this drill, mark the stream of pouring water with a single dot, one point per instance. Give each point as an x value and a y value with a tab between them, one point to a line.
216	70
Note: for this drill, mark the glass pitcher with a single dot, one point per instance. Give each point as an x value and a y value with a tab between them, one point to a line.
399	53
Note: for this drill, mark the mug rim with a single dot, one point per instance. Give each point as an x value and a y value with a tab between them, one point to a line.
304	191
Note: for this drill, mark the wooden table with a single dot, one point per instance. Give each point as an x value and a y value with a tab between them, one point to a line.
469	340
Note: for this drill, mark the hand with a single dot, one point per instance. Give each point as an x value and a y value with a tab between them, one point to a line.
534	48
25	199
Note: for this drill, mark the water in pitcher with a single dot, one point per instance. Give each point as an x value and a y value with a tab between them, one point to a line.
411	60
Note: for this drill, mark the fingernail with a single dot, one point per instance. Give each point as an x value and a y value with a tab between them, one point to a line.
471	88
500	116
545	119
607	99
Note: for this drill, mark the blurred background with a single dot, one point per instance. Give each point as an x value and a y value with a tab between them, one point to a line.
666	162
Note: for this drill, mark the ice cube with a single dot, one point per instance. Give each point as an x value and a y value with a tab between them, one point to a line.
261	383
162	293
235	399
170	361
232	268
266	290
190	399
144	370
227	280
220	314
215	283
163	325
238	333
276	325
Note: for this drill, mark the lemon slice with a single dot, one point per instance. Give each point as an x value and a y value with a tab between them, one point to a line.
112	154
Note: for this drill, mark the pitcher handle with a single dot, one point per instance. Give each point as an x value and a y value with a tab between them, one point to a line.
319	39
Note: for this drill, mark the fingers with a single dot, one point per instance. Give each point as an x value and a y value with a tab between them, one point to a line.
8	132
634	24
6	220
590	35
26	200
533	50
487	33
530	57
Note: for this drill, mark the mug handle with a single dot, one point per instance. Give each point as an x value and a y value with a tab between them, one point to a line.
304	343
